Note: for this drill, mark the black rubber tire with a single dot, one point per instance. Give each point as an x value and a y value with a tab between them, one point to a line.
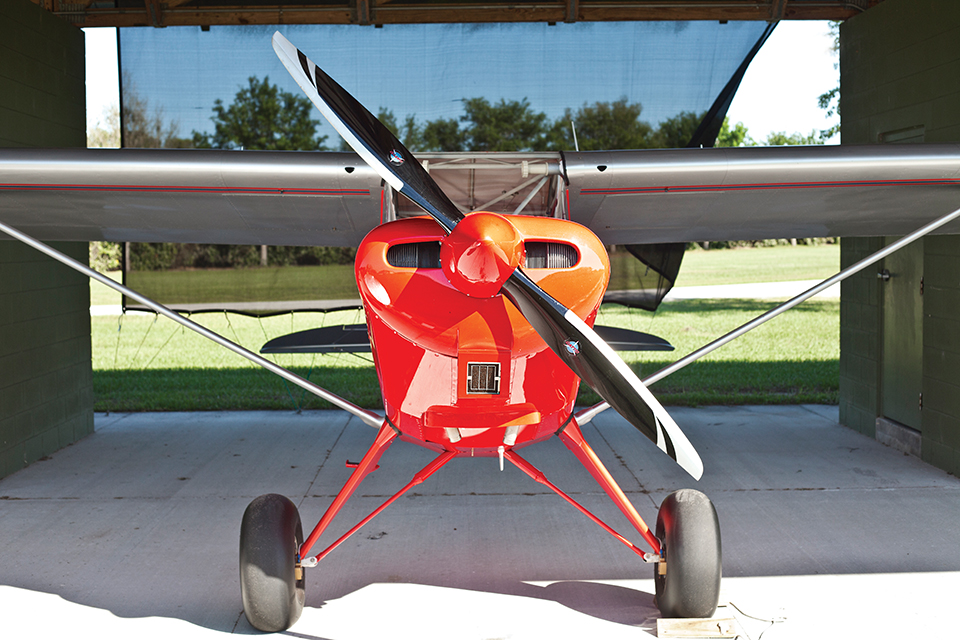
689	534
270	539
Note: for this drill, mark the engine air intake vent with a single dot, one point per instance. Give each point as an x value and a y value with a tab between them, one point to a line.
415	255
483	377
550	255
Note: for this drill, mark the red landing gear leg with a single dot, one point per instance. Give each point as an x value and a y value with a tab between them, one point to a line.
573	438
688	569
369	462
385	438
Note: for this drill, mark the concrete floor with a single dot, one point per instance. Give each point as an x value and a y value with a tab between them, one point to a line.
132	532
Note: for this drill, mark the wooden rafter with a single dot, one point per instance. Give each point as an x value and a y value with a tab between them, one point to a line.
89	13
777	9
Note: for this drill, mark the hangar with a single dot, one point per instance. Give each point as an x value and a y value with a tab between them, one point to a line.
900	73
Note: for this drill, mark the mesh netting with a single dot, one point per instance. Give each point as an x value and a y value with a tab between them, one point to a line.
173	77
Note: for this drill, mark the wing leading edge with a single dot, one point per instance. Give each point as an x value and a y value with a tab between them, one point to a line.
167	195
754	193
334	199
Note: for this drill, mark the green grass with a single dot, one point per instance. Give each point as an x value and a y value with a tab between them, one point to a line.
248	285
101	294
145	363
792	359
781	263
728	266
153	364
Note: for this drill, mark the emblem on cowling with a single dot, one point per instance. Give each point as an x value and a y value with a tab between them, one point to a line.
395	158
572	347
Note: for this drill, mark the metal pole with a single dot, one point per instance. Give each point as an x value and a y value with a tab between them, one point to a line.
368	417
588	414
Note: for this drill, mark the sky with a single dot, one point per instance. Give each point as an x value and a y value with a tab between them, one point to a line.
778	93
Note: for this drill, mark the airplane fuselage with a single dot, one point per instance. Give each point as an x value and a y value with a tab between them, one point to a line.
469	372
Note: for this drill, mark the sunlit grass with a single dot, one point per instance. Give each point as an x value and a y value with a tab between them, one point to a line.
781	263
147	363
794	358
728	266
142	362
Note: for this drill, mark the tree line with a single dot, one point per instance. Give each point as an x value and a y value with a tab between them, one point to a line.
264	117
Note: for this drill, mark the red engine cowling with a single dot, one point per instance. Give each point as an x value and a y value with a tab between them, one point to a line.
465	372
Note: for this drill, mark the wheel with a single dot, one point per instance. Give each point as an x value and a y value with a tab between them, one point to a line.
271	580
688	580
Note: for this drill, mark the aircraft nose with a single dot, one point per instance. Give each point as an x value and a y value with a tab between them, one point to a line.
481	253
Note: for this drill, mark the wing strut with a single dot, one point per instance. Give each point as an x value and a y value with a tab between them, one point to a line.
586	415
368	417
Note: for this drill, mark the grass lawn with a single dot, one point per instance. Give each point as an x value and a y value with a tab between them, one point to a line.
145	363
762	264
728	266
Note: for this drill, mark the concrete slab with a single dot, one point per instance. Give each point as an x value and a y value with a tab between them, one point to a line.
133	532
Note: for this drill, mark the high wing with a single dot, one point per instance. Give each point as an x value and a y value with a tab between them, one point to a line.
171	195
754	193
334	199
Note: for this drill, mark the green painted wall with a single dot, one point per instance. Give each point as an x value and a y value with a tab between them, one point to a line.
900	82
859	338
46	385
940	434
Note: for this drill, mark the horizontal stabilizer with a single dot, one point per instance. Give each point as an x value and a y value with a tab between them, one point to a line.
352	338
629	340
344	338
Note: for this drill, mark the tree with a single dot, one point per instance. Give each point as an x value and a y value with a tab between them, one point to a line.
780	138
106	132
143	127
830	100
263	117
509	125
608	125
735	137
386	117
442	134
676	132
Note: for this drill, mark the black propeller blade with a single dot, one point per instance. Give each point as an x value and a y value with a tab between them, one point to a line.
368	137
563	331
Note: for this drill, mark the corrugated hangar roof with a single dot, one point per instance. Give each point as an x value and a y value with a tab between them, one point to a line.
163	13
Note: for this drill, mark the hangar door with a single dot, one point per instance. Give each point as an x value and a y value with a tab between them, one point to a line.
902	355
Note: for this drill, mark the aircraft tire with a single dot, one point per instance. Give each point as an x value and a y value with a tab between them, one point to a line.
689	534
270	539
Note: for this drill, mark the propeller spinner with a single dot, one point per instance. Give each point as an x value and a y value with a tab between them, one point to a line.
481	256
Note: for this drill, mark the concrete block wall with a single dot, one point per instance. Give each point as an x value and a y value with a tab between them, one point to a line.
46	383
42	90
860	338
900	82
900	73
940	433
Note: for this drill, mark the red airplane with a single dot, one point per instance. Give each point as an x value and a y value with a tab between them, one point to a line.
490	365
480	326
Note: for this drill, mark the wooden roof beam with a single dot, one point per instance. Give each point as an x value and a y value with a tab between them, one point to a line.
173	13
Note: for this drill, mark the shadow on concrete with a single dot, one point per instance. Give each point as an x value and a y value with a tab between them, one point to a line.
141	521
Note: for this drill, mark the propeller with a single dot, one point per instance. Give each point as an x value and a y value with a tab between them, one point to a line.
494	269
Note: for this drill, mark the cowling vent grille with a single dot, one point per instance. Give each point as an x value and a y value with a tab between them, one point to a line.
550	255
